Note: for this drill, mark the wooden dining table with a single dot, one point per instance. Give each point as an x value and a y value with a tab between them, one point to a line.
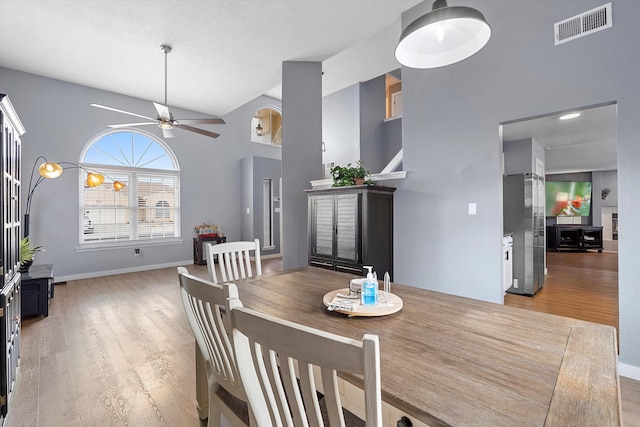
453	361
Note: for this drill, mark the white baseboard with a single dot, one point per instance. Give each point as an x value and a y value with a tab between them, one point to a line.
629	371
123	271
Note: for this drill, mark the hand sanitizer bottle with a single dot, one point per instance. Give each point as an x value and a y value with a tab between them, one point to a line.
370	289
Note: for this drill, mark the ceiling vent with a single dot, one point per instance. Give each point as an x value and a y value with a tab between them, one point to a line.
585	23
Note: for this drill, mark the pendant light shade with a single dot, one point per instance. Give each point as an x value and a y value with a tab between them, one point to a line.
94	179
446	35
117	185
50	170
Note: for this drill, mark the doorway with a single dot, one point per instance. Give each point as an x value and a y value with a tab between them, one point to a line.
584	145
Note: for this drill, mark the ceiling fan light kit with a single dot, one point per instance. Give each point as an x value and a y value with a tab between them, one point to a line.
443	36
165	120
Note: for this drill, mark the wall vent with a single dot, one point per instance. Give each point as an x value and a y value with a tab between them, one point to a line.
585	23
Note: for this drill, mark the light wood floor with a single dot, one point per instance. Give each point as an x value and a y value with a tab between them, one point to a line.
117	350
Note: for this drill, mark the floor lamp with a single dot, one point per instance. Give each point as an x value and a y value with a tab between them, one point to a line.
52	170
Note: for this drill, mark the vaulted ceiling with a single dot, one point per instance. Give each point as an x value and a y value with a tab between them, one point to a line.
225	52
228	52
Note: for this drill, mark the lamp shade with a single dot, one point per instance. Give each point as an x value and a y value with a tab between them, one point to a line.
444	36
117	185
50	170
94	179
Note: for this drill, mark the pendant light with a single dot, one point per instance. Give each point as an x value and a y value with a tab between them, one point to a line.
444	36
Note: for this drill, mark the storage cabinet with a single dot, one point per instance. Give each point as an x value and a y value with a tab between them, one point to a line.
37	286
11	130
350	227
572	237
199	257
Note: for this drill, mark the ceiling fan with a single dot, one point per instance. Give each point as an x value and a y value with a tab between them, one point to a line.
165	120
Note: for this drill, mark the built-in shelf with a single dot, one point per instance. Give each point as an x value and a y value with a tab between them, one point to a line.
326	183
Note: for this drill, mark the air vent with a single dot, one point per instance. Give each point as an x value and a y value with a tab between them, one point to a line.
588	22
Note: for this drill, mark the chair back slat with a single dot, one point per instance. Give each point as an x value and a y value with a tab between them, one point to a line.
267	349
233	259
332	397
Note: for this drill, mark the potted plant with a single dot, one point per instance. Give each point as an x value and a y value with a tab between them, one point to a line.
27	253
350	175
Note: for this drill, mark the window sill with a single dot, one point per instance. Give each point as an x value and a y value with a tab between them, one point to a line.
107	246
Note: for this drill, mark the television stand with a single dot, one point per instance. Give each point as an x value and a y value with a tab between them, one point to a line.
574	237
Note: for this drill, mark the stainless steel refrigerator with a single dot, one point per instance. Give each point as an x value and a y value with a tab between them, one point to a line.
524	216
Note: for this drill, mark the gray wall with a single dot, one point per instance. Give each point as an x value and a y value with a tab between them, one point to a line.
60	121
354	127
452	145
393	136
372	115
601	180
301	153
341	126
520	156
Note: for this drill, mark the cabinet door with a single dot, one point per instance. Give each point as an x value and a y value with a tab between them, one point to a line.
347	227
322	236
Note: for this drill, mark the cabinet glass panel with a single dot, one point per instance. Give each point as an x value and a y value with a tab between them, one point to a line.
324	226
347	225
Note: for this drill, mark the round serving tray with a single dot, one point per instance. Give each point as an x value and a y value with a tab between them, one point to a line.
381	309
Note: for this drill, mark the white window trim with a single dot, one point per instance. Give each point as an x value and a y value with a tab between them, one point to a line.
133	172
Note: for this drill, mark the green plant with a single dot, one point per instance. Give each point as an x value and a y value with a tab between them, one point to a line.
349	175
27	251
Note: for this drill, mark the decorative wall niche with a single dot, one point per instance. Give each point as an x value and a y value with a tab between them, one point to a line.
266	126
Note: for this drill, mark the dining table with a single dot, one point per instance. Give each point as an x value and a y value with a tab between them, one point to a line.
448	360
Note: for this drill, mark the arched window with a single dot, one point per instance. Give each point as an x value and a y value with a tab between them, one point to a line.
266	126
148	207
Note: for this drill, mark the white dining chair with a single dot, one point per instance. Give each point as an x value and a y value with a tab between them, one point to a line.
278	361
233	259
204	303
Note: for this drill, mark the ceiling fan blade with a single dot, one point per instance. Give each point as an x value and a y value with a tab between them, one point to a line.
121	111
196	130
163	111
167	133
212	121
124	125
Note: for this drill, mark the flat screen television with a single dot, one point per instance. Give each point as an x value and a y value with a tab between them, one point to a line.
568	198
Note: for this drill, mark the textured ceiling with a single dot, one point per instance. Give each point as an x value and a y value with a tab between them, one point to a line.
225	53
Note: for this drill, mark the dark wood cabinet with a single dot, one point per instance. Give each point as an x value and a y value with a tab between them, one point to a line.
11	130
199	257
350	227
37	287
574	237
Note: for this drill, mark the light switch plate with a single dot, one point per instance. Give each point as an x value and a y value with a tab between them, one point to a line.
472	208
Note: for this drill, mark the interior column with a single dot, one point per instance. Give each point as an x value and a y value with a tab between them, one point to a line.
301	153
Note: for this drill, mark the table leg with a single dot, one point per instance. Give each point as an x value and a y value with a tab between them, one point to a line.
202	394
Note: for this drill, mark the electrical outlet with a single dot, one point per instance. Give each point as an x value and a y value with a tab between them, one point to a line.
515	283
136	251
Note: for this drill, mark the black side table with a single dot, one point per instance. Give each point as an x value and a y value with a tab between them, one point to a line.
36	289
199	257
